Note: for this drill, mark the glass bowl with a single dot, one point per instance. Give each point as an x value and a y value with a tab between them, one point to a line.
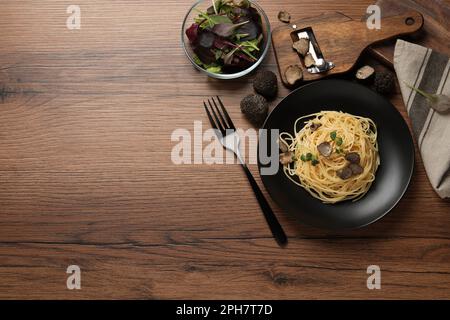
203	5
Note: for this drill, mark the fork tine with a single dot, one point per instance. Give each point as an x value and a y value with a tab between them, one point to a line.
225	123
217	121
213	124
227	116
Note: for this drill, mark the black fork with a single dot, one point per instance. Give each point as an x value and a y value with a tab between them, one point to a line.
228	137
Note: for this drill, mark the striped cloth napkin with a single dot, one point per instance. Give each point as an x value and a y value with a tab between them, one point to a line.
427	70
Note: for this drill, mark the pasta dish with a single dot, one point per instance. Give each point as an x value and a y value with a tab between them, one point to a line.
334	156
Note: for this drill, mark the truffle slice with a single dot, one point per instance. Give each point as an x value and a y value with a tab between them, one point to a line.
309	60
255	108
283	146
315	126
286	158
301	46
266	84
356	169
293	74
325	149
345	173
365	74
284	16
353	157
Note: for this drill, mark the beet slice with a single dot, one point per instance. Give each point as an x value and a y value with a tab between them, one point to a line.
192	32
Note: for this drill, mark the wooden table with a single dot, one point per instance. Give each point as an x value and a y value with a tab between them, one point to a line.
86	177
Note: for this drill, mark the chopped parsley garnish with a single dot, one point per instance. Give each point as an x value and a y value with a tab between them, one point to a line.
310	157
333	135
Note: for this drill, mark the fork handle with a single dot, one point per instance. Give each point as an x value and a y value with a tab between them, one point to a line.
272	221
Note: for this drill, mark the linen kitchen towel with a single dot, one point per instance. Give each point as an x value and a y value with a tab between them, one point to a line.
427	70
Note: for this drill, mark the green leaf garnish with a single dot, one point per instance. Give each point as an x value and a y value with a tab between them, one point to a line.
226	9
197	60
245	4
239	36
333	135
310	157
244	50
202	18
218	54
216	69
212	20
220	19
251	45
339	141
216	5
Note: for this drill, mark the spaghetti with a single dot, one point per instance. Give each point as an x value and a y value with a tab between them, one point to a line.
334	156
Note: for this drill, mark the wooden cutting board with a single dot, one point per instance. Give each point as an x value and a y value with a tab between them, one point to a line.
435	33
340	38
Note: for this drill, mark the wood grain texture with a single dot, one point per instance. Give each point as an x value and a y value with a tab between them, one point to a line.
86	178
433	35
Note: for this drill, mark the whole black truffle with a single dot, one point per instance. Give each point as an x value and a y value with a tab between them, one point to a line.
266	84
255	108
384	82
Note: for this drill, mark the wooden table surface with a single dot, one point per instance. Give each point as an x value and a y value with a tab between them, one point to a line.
86	176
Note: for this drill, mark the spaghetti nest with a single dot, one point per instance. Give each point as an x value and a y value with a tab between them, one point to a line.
334	156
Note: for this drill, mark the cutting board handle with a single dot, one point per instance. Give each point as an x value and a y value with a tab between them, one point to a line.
394	26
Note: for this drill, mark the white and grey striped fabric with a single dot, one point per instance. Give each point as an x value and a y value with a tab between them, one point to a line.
429	71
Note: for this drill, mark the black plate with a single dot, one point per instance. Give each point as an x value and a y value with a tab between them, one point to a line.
396	153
